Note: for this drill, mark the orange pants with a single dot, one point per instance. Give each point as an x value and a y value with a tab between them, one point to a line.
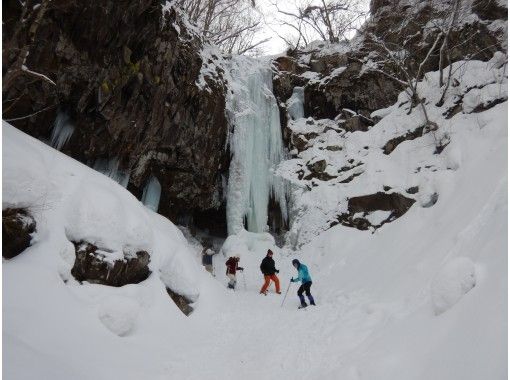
267	280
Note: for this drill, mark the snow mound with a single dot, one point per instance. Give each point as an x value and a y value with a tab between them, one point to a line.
97	215
73	203
456	278
245	242
119	314
179	276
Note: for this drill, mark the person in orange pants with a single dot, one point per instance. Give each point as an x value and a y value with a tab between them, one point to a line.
268	269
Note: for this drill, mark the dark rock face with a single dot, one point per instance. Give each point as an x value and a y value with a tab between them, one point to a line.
125	73
361	93
352	122
90	265
182	302
396	22
287	76
317	170
393	143
489	10
395	203
317	166
17	226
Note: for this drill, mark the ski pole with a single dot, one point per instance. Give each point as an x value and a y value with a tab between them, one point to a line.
288	287
244	280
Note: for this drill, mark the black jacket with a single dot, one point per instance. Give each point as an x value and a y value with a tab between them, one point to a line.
267	266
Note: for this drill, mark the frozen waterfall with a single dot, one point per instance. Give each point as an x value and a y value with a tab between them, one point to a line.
110	168
151	194
295	103
256	146
62	131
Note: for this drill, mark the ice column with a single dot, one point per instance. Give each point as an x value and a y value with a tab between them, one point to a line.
62	130
110	168
256	146
151	194
295	103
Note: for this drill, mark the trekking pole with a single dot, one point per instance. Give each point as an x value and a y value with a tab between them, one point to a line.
288	287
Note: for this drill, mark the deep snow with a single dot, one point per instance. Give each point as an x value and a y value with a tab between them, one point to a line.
424	297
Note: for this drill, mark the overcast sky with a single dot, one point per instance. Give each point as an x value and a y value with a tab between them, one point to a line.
275	45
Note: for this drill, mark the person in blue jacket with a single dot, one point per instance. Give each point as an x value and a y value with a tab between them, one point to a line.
306	283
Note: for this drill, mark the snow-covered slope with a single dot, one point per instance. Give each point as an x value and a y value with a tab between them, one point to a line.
398	155
423	297
49	318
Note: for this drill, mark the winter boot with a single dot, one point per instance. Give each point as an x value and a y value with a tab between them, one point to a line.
230	285
312	301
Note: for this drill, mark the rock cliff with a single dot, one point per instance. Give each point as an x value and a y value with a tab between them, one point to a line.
135	85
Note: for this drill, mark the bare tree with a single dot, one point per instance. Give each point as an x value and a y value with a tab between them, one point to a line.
400	65
15	57
231	24
327	20
450	19
406	60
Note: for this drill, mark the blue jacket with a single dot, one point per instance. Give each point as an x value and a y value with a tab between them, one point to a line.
303	274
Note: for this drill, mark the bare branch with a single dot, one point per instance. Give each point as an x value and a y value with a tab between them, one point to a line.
32	114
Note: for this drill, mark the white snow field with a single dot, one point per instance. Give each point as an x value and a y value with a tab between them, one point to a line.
423	297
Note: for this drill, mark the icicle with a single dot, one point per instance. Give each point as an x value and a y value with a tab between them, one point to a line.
110	168
295	103
257	148
152	194
62	131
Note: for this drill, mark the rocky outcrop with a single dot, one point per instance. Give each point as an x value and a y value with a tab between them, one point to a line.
17	227
287	76
128	77
97	266
392	144
363	93
361	208
343	80
182	302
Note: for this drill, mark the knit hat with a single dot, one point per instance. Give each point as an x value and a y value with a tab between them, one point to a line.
296	261
269	252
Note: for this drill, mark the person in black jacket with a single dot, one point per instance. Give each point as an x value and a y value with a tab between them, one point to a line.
268	269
